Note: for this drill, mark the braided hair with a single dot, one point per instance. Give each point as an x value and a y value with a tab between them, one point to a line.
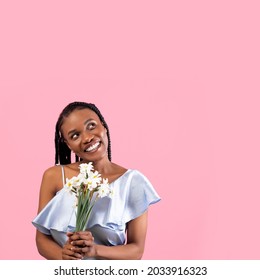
62	151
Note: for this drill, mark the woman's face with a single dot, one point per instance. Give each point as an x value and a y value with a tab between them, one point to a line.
85	135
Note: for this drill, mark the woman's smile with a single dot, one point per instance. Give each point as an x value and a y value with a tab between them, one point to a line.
92	147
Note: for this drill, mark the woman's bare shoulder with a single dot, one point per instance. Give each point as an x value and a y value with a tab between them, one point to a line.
52	179
52	171
50	185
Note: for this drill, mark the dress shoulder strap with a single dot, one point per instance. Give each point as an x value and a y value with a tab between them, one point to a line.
63	174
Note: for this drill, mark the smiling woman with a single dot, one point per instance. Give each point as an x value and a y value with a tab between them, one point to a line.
117	226
85	135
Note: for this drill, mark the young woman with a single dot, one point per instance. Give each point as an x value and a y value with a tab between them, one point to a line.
117	226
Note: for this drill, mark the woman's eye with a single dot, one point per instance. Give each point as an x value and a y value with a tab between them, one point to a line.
74	136
91	126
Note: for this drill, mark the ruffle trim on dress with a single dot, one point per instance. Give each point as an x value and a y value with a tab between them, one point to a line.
58	214
133	193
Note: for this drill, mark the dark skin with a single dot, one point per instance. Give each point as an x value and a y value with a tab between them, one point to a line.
86	136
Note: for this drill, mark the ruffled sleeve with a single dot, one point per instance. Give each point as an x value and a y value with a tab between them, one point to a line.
58	214
141	194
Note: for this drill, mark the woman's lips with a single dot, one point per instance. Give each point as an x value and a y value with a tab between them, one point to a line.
92	147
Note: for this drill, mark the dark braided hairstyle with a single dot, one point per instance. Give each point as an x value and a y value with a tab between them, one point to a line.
62	151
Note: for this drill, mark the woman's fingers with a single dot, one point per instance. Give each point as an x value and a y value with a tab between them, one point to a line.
80	235
70	252
83	242
82	239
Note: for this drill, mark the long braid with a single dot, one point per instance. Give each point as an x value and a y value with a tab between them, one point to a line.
62	151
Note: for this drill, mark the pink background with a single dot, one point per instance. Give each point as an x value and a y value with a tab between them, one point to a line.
178	83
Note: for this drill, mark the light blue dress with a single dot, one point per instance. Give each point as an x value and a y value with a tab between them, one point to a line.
132	195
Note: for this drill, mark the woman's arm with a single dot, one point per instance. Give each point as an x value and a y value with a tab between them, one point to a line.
50	250
133	250
47	247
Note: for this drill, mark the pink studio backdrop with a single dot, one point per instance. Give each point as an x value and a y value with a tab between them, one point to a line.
178	83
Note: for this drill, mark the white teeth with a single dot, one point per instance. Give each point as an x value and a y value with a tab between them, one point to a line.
93	147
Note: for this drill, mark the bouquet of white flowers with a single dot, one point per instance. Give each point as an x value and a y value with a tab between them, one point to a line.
88	187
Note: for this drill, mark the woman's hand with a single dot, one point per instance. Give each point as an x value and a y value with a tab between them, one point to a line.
83	243
70	252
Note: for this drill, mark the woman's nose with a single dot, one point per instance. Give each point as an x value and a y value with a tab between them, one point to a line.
87	137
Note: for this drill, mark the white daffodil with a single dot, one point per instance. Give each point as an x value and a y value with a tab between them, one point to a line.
104	189
81	179
76	181
69	183
93	180
105	182
86	168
